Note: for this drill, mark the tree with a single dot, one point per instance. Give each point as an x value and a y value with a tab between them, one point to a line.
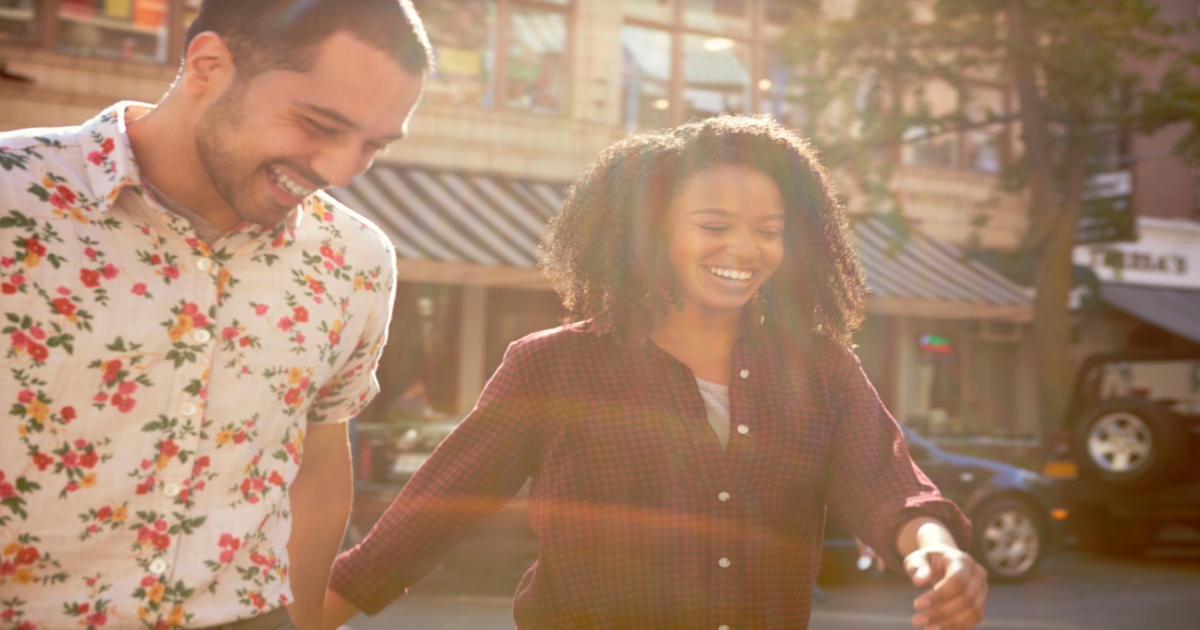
865	70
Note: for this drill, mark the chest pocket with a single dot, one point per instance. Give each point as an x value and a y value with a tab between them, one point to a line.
625	458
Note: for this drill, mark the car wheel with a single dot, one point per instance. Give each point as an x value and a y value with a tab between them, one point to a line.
1129	442
1008	539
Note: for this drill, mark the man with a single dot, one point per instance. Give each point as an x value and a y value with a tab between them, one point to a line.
189	321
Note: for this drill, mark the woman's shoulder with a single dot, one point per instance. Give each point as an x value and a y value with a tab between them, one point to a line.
576	337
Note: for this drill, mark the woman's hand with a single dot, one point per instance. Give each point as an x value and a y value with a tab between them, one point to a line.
959	590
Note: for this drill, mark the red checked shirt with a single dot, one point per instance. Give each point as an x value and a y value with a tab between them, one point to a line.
644	522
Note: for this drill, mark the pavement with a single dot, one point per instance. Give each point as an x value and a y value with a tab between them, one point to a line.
1073	591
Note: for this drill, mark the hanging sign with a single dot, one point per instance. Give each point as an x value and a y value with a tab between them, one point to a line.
1107	211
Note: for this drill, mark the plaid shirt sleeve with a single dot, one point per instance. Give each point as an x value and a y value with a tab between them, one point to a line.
473	473
873	486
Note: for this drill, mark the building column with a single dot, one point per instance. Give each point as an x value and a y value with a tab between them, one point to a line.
471	346
902	371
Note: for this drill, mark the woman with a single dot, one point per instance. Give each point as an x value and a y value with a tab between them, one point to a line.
686	431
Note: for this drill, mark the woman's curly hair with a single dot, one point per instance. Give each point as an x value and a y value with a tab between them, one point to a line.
606	250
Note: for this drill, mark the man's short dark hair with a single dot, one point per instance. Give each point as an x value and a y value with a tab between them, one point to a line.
284	34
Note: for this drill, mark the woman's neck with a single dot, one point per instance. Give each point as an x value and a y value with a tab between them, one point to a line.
702	341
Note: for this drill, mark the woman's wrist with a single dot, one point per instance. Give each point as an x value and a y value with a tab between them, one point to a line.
923	532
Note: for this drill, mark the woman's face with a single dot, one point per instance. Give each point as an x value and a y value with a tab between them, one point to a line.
725	237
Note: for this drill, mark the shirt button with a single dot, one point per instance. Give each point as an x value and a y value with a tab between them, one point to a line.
158	567
723	497
189	409
744	373
204	264
724	563
743	429
722	627
201	335
172	489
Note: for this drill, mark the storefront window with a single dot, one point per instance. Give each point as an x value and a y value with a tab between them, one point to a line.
18	21
536	71
717	76
463	33
126	30
646	70
726	17
654	10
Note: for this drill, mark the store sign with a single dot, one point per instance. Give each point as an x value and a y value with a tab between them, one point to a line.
1164	257
1107	212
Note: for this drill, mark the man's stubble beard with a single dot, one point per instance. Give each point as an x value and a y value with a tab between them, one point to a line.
223	121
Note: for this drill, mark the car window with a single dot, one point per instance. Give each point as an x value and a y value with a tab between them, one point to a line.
1173	383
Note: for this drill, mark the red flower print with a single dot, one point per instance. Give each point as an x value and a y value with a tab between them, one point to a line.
42	460
315	287
128	387
7	289
80	444
169	448
37	333
149	581
7	490
38	351
63	291
171	272
68	414
292	396
17	279
18	339
6	262
72	487
95	157
82	608
155	259
245	341
90	278
33	246
97	619
203	462
107	146
58	201
139	289
64	306
110	271
67	193
103	513
239	437
327	251
229	332
28	555
25	396
334	337
275	479
299	338
89	460
89	252
143	488
261	309
123	403
284	324
70	459
328	266
300	314
192	242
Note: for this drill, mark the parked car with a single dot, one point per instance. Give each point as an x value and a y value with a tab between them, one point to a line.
1011	507
1018	516
1132	435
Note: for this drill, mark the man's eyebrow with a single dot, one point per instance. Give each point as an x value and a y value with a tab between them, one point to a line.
338	118
728	214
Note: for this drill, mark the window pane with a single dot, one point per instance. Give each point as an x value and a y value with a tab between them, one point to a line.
463	34
727	17
657	10
646	76
128	30
536	73
716	74
983	144
17	23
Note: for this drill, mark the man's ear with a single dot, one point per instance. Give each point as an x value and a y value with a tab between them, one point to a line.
208	65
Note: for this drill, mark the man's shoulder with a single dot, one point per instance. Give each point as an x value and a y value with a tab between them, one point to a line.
369	242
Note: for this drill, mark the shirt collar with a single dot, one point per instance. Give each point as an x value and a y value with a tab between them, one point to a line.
111	167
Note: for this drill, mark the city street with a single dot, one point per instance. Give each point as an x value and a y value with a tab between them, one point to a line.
1074	591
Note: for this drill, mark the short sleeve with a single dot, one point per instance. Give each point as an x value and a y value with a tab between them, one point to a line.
873	486
354	385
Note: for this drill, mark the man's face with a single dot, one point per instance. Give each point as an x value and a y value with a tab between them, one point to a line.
271	140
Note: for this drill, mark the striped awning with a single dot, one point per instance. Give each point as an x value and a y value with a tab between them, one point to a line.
463	228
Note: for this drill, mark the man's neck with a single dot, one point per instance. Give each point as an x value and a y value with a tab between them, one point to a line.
165	151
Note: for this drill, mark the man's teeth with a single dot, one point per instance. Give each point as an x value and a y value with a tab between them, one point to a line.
732	274
288	184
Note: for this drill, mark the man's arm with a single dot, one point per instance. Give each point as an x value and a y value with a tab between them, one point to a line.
959	584
337	610
320	499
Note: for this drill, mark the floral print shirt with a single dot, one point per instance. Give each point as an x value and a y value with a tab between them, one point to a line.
156	390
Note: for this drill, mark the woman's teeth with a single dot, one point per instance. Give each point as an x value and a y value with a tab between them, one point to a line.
288	184
731	274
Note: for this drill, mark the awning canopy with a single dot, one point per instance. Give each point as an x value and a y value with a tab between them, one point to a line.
461	228
1176	310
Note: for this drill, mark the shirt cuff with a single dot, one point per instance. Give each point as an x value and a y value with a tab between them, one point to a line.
933	506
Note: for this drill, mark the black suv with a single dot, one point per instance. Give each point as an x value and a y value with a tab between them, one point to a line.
1133	432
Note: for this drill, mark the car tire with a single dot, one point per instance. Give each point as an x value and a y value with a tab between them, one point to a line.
1009	539
1114	536
1129	443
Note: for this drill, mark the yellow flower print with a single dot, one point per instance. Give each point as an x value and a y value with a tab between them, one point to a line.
359	283
163	462
47	182
120	514
22	431
11	548
176	616
155	594
224	437
142	612
183	326
23	576
294	375
31	260
337	325
78	215
223	277
89	480
38	410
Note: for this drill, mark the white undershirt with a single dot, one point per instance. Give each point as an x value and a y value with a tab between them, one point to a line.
716	407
